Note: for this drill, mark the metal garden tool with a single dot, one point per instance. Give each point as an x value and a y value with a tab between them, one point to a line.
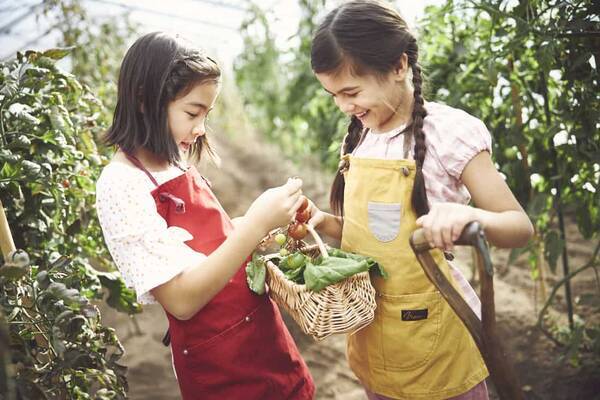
483	331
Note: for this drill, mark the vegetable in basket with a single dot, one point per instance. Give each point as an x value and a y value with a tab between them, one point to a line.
316	272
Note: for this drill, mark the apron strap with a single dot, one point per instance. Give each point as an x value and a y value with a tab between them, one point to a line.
134	160
407	142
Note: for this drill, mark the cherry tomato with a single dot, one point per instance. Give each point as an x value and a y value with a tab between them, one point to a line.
66	184
280	239
303	216
304	204
297	230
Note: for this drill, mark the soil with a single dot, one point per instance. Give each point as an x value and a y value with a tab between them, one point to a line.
249	166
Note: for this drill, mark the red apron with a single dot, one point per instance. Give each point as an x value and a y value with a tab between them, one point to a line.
236	346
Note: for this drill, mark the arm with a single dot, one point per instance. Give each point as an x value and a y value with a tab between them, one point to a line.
200	283
503	218
504	221
326	223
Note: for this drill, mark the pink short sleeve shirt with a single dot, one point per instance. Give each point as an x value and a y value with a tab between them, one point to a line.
453	138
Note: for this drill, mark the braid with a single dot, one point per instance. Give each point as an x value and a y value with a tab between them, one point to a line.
419	195
351	140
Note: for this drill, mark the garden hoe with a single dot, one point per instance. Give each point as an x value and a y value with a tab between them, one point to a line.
484	332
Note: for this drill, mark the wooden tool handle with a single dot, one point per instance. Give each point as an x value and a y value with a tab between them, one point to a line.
469	237
7	245
483	332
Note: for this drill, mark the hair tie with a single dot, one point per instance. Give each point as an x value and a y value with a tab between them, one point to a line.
343	166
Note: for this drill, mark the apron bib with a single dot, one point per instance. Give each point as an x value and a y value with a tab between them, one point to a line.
236	346
416	347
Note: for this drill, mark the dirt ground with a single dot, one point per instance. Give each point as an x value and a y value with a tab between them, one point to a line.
249	167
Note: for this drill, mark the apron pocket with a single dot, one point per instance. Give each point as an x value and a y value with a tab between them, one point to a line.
384	220
410	329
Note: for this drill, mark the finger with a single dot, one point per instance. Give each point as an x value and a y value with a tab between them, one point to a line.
447	236
435	221
426	225
436	233
315	220
293	185
456	230
445	225
297	203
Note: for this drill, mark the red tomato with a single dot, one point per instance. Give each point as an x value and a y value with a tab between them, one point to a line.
303	216
304	204
297	231
66	184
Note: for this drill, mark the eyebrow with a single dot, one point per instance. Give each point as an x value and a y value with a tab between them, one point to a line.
201	105
346	89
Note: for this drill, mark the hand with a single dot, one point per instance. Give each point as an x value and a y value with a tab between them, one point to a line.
317	217
445	222
276	206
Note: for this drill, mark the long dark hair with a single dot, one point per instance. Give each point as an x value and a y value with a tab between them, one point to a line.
369	36
157	70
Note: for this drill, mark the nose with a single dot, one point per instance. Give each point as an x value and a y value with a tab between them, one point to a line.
346	106
199	130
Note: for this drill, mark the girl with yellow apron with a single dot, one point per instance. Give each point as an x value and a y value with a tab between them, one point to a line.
416	348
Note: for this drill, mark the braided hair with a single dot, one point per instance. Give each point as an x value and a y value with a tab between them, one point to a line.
370	36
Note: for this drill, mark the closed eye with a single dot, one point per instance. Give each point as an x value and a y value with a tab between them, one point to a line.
191	114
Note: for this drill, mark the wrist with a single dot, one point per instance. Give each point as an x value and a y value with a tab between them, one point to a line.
251	229
481	216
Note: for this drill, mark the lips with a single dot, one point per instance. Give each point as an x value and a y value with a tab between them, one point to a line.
362	115
185	146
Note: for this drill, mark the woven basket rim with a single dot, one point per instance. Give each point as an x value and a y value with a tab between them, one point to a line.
274	269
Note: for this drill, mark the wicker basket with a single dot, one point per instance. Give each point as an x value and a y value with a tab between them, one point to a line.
342	307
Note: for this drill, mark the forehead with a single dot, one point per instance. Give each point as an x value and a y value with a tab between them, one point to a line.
203	93
344	79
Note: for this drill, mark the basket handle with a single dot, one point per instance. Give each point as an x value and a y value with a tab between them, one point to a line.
318	240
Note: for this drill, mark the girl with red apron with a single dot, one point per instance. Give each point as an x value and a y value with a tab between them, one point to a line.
227	342
237	346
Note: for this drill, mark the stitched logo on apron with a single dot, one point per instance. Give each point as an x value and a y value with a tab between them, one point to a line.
414	315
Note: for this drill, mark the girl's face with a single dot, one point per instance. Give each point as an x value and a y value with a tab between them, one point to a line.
187	115
374	100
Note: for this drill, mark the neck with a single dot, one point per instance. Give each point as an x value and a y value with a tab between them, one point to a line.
150	160
402	112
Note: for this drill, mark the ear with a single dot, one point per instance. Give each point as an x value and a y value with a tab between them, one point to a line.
401	68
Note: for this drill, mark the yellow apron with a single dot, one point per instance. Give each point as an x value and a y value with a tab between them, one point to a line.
416	347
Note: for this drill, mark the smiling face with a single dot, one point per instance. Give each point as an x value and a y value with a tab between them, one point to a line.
187	115
375	100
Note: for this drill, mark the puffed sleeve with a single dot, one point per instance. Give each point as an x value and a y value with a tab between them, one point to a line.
144	249
458	138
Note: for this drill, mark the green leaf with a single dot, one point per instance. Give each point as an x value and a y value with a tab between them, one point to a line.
256	273
331	270
58	53
120	297
69	296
